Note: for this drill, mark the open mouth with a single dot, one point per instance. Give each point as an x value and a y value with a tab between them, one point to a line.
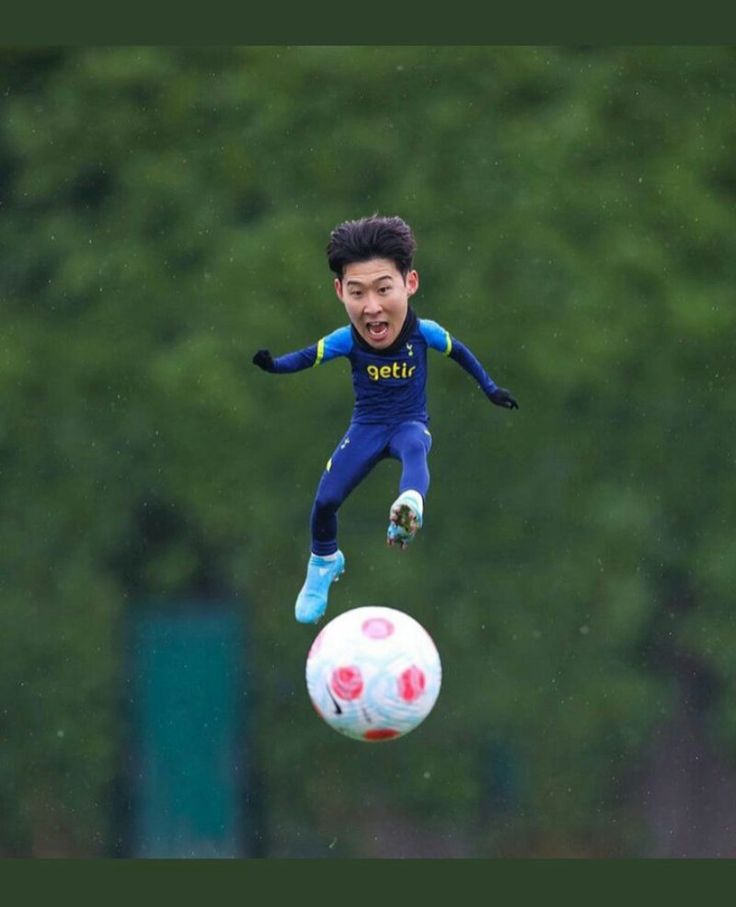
377	330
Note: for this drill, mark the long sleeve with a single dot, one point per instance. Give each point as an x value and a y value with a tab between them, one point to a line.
296	361
438	338
338	343
463	356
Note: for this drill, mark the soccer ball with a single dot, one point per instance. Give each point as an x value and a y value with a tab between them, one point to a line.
373	673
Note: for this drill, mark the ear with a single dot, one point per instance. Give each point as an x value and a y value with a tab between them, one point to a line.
338	288
412	282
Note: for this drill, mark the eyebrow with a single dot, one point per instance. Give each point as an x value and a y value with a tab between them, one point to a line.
360	283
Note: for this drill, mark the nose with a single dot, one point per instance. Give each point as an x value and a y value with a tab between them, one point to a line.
372	305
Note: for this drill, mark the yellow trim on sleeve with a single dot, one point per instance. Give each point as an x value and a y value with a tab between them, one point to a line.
320	352
448	348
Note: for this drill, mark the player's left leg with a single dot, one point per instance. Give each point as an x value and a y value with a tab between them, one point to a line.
410	444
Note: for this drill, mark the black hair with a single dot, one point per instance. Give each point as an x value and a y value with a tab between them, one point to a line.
371	237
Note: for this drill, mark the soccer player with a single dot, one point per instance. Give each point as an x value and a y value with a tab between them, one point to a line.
386	344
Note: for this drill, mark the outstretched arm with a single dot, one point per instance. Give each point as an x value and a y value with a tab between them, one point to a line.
338	343
440	339
289	362
498	395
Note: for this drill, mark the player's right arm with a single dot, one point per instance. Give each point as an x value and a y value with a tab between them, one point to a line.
338	343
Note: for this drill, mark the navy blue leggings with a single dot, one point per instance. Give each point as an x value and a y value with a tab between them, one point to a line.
355	456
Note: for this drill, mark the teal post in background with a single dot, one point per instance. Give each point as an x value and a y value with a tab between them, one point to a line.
187	768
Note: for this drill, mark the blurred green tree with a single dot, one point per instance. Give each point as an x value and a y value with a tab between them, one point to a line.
166	211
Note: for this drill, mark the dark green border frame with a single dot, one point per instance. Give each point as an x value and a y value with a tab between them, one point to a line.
348	881
380	24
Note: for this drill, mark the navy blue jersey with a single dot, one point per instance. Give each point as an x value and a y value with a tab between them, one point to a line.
389	384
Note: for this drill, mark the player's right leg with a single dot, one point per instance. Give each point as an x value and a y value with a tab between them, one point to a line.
311	603
354	457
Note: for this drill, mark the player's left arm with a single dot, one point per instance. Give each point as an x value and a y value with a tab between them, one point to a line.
440	339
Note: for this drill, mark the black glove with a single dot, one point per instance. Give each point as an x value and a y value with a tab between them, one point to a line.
263	360
502	397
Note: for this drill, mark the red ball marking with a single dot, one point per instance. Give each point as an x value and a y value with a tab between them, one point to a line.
347	682
377	627
411	683
381	733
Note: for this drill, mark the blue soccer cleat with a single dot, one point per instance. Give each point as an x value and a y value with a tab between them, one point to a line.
405	519
311	603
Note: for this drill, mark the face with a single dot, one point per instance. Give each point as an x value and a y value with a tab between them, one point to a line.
376	297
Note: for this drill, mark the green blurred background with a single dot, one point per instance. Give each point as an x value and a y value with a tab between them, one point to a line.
163	213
